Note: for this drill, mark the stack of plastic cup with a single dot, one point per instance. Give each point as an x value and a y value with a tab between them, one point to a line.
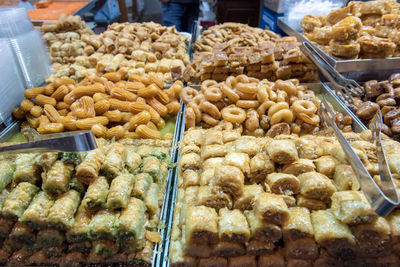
295	10
24	59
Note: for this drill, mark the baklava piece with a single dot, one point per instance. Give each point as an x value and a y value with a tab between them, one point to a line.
351	207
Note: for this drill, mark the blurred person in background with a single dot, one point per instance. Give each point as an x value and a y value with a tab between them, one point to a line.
181	13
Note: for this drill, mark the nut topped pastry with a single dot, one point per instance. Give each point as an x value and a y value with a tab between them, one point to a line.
302	208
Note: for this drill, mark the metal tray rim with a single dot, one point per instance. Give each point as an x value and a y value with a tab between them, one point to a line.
340	64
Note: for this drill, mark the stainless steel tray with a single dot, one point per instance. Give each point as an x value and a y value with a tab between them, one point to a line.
357	69
321	90
170	187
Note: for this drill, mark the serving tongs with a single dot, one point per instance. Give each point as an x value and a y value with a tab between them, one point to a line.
345	88
383	198
76	141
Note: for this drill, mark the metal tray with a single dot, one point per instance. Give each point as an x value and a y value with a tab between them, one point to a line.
166	213
174	182
321	90
357	69
170	183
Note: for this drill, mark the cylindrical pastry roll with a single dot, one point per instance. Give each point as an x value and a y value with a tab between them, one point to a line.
22	233
201	250
212	151
394	222
178	257
104	248
282	151
56	180
260	230
193	136
304	249
326	165
26	169
133	159
49	238
130	222
298	225
207	175
230	179
374	232
61	214
120	191
333	235
190	178
289	200
201	225
274	260
190	161
213	197
142	184
309	203
271	208
211	163
351	207
232	226
316	186
240	160
326	260
308	147
257	247
283	184
260	166
6	174
248	145
145	256
151	199
96	194
228	249
191	148
246	200
79	231
230	136
77	185
299	166
88	170
246	260
345	178
18	200
151	165
102	225
191	195
114	160
36	214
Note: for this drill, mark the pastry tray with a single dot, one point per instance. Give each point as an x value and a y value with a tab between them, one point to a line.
357	69
14	128
320	89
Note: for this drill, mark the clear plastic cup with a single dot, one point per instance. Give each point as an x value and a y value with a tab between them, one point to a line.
24	57
295	10
27	44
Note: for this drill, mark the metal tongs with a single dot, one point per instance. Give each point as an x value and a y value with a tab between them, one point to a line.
342	85
76	141
383	198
